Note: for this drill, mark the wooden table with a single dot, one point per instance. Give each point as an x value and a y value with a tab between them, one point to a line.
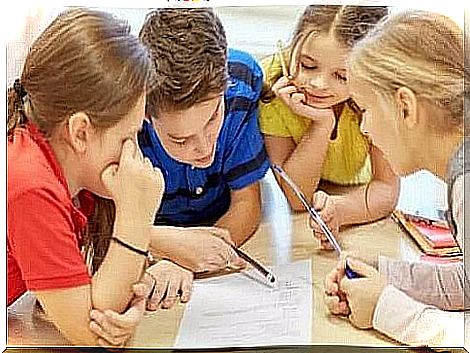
281	238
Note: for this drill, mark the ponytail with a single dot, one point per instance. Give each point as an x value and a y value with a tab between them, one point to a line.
15	114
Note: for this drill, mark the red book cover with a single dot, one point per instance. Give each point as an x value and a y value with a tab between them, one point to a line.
438	236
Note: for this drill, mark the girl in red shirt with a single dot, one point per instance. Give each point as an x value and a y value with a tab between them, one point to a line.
73	117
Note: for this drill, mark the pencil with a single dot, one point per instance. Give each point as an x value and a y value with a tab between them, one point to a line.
268	275
285	71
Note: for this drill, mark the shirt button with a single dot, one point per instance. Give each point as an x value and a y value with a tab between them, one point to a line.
192	167
199	190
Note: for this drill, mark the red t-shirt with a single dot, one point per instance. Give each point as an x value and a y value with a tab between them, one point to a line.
43	244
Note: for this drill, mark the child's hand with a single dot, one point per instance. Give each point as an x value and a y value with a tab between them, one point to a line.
325	205
362	293
167	281
114	329
296	101
205	249
335	299
135	186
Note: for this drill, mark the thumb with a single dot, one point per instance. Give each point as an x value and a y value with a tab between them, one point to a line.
360	267
140	290
221	233
236	261
108	175
319	200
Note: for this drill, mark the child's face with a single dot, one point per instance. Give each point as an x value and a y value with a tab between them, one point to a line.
190	135
105	147
382	123
321	71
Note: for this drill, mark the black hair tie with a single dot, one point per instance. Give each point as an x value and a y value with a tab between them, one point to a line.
19	89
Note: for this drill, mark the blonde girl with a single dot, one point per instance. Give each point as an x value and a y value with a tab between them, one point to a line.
409	74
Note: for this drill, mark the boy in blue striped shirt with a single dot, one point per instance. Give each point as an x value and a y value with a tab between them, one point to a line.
202	132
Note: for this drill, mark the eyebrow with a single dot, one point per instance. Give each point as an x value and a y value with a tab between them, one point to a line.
306	56
212	115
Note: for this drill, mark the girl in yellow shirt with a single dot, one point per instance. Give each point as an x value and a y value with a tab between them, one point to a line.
312	126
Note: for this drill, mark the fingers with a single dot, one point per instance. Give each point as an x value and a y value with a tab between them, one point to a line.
282	83
235	261
148	164
106	328
156	299
108	174
107	338
285	90
128	152
331	283
297	98
326	245
171	294
361	268
129	320
186	288
221	233
335	306
105	344
319	200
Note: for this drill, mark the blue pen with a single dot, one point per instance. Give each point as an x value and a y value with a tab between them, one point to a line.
316	217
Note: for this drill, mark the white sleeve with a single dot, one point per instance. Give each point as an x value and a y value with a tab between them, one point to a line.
413	323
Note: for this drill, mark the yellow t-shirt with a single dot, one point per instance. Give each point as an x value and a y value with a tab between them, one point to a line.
347	160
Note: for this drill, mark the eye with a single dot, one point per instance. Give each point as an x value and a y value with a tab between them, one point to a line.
341	77
308	66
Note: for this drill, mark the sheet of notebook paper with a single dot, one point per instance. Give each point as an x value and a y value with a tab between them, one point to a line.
241	310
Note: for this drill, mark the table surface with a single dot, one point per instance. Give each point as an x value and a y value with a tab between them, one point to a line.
281	238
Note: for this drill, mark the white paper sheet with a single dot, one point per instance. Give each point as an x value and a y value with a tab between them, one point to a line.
241	310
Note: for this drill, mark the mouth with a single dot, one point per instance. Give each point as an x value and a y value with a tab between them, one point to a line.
318	97
204	160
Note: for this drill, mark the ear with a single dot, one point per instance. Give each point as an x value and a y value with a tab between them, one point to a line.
407	107
79	132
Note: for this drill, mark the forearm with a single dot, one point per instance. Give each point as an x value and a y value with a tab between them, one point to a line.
166	241
241	220
121	268
305	164
381	200
69	310
441	285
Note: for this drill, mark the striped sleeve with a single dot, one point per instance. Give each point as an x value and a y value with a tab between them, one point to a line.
246	161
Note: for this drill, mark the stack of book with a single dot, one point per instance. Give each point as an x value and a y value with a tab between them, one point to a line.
432	236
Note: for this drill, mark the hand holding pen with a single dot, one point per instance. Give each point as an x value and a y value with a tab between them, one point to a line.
325	205
315	217
225	236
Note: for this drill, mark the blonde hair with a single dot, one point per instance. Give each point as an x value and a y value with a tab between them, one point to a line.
420	50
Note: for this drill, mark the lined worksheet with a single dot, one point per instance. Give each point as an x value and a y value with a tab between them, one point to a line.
242	310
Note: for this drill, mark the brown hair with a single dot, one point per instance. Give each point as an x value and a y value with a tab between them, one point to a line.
84	61
347	24
189	50
420	50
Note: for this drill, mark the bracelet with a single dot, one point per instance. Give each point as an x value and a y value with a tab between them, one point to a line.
130	247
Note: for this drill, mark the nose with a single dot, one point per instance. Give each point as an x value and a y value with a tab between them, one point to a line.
319	82
203	145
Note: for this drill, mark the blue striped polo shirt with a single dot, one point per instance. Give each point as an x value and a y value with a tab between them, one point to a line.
200	196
